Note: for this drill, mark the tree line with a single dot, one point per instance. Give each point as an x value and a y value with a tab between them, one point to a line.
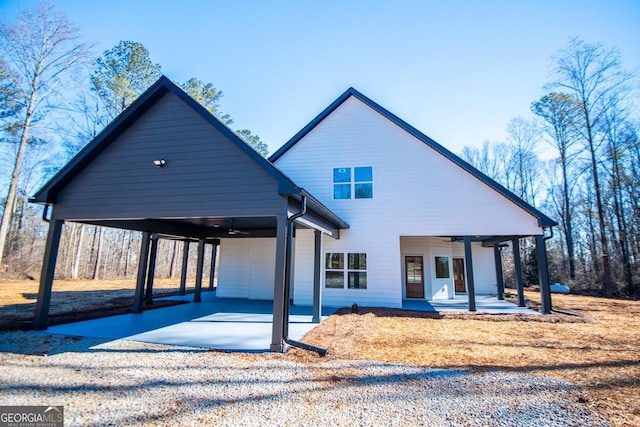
56	95
591	184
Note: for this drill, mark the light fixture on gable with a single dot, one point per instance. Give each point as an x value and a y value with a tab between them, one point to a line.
160	163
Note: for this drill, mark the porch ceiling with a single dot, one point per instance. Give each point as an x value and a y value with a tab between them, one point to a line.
488	241
209	227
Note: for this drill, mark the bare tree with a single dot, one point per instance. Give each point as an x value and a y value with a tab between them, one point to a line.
489	159
524	164
593	76
559	112
619	135
41	46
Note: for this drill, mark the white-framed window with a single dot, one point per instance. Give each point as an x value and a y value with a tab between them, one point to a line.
354	275
442	267
353	183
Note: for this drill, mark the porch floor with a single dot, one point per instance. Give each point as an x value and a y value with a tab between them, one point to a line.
484	304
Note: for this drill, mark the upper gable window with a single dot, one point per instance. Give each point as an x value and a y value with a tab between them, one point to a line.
353	183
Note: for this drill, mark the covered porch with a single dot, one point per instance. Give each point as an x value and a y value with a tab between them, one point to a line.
447	271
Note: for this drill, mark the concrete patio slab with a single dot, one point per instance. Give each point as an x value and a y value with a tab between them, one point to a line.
216	323
484	304
238	324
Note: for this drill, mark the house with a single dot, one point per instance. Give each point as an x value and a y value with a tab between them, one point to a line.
358	207
409	203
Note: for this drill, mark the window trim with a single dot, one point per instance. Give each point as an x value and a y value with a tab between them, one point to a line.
346	270
338	181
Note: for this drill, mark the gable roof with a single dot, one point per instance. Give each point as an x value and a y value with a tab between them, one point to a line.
543	220
286	187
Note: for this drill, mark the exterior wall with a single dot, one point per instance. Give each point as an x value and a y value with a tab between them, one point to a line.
383	265
246	268
124	183
303	267
416	192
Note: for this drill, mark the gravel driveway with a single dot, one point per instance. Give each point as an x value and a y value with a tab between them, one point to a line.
130	383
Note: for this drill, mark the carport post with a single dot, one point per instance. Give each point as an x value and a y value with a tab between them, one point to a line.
143	261
199	268
543	274
47	274
214	251
497	254
317	267
471	290
277	340
148	296
517	262
185	264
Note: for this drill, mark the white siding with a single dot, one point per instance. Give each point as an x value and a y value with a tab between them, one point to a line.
416	192
233	272
303	267
247	268
484	270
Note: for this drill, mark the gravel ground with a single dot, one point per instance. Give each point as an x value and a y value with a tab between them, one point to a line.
130	383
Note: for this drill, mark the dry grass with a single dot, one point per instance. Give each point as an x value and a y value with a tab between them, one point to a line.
599	351
73	300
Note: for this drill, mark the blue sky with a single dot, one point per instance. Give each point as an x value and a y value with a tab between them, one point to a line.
456	70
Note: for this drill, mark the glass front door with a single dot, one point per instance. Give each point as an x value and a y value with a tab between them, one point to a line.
414	276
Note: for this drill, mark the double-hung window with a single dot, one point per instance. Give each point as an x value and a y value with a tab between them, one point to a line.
353	183
353	272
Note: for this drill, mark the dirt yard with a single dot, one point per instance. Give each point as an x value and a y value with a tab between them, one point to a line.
73	300
597	349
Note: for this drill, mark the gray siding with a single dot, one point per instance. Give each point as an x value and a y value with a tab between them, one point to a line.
205	175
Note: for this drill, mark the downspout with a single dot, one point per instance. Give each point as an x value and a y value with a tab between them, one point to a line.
287	281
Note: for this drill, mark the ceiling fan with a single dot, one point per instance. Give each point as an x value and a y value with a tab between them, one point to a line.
234	232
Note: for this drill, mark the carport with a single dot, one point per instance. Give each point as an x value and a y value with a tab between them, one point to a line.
167	167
